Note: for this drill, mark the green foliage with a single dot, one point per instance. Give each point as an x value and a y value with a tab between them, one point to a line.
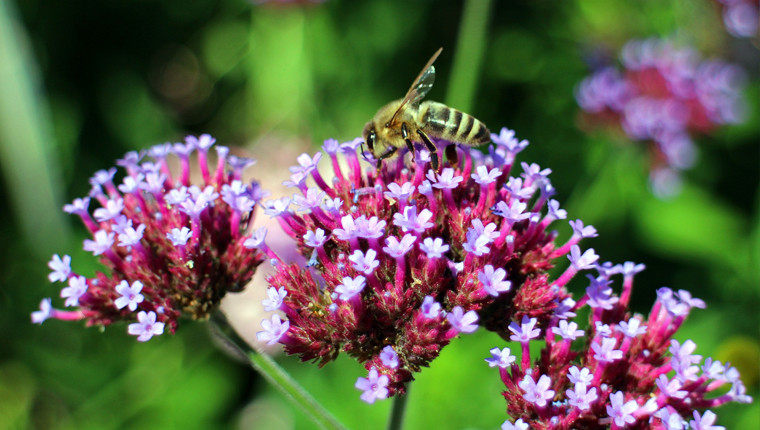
121	75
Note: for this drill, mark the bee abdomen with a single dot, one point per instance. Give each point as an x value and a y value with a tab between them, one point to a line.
454	125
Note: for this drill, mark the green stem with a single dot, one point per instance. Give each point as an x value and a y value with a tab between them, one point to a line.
276	375
27	156
468	57
398	410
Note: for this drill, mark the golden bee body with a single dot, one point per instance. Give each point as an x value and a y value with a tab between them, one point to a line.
409	120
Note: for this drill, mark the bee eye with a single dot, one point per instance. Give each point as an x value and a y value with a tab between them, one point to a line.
371	140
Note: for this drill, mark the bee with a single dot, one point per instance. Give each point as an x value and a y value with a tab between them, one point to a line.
409	120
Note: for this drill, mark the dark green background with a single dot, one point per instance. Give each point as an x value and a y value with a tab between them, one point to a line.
85	81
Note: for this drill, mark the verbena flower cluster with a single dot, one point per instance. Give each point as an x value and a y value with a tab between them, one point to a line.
664	95
741	17
169	248
403	259
622	370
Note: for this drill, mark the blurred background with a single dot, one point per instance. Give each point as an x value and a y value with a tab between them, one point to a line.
84	81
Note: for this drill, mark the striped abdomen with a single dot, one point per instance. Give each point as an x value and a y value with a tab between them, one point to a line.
443	122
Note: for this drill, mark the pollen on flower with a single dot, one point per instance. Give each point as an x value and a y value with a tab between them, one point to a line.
169	247
408	258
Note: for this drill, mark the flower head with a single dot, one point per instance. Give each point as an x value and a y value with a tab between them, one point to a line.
622	371
666	95
170	248
410	258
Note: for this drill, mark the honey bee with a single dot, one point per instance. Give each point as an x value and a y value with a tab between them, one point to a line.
409	120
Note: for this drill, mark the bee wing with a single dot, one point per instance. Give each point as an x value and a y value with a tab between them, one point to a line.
421	85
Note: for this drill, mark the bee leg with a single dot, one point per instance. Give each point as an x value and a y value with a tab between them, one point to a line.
451	154
390	151
405	135
431	147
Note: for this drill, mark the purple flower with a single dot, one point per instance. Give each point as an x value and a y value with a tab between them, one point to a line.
446	180
365	263
514	212
606	352
374	386
483	176
580	376
476	244
463	322
434	248
437	261
371	228
537	392
273	330
274	299
508	145
131	236
277	207
180	246
112	208
76	289
554	212
103	177
397	248
306	163
312	199
411	221
102	243
583	231
567	330
493	280
45	312
600	294
621	413
500	357
130	295
665	96
177	196
389	357
525	331
518	425
315	239
580	397
670	388
350	287
61	268
582	262
705	422
400	192
602	329
257	239
349	228
605	386
78	206
146	326
430	308
179	236
629	269
631	328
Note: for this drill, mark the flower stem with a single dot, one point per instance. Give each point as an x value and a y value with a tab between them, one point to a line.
275	374
398	410
468	57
